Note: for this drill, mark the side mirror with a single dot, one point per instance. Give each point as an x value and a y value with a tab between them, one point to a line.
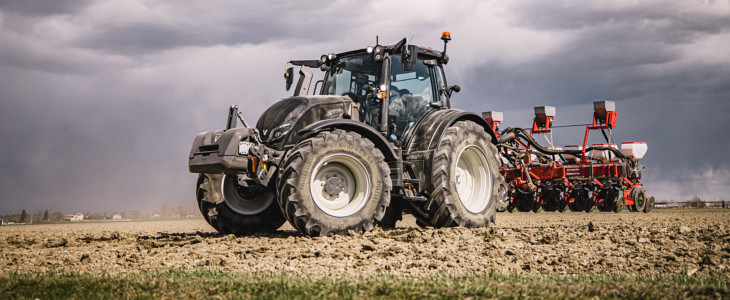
409	55
454	88
289	77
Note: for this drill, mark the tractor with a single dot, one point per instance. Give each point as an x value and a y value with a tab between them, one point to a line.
377	138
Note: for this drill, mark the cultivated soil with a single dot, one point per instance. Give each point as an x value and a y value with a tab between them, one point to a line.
664	242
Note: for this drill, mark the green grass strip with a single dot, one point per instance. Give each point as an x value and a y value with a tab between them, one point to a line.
205	283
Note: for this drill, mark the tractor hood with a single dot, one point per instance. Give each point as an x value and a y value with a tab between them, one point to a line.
278	124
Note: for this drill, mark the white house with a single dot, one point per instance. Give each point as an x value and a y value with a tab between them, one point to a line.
74	217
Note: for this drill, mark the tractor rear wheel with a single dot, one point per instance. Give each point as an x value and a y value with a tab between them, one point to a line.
465	181
234	209
334	182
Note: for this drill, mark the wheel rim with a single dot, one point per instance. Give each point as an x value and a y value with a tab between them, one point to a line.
244	200
640	200
340	185
472	179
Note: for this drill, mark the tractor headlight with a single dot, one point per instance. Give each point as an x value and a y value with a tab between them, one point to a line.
378	52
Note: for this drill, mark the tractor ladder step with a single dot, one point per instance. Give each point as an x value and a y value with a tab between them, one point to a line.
415	198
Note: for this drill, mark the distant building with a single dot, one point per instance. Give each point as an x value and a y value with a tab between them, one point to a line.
74	217
117	217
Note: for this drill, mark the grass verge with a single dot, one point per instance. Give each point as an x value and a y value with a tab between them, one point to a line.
205	283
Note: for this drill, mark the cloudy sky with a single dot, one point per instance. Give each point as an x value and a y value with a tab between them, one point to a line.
100	100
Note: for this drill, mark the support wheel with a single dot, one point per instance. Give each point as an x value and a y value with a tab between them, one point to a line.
552	200
234	209
639	196
525	201
334	182
590	204
503	198
610	199
620	204
649	204
578	200
465	179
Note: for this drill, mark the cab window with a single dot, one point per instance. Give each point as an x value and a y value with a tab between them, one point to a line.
411	93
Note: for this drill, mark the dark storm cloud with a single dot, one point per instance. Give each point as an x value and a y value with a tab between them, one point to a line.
100	100
42	8
246	22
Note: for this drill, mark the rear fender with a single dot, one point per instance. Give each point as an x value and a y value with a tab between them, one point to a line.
427	137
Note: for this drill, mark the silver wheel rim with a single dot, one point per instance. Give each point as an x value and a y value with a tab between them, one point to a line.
355	187
473	179
245	205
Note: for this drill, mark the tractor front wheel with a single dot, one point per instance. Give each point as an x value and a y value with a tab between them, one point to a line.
334	182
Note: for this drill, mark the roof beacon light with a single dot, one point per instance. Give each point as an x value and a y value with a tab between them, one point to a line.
446	36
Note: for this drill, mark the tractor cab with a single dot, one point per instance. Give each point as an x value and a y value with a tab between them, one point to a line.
401	82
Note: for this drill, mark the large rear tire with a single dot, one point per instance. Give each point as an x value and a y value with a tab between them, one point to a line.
234	209
465	181
334	182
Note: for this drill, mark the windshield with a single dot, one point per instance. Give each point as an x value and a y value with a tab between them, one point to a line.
411	93
348	77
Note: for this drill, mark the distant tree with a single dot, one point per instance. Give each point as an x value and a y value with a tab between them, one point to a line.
180	211
56	217
23	217
45	216
696	202
165	210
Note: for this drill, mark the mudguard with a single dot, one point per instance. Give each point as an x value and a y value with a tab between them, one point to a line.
350	125
218	151
426	138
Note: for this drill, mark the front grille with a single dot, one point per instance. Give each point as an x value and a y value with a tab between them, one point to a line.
208	148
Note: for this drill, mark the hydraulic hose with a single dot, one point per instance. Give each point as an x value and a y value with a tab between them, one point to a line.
513	132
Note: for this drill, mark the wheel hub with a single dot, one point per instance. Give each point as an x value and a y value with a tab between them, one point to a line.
473	179
340	185
334	185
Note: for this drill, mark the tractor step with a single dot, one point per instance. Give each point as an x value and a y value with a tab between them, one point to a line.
415	198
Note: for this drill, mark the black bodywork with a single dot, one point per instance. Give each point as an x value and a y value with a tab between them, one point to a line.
294	119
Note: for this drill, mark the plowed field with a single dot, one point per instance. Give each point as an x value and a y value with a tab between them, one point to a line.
663	242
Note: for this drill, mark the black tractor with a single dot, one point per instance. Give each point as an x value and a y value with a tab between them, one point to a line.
377	137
